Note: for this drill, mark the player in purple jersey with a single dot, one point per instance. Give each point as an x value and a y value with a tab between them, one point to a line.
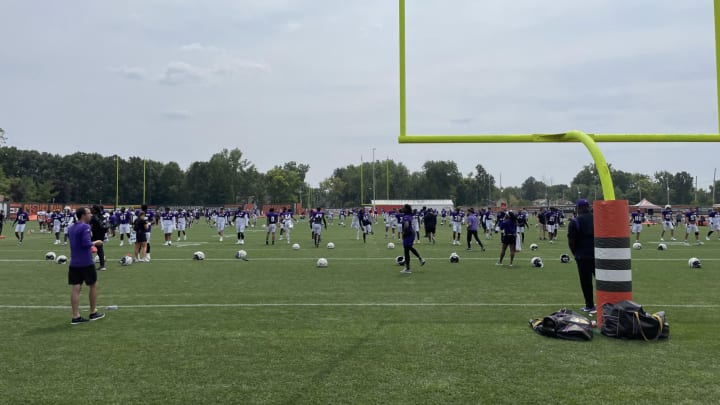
508	236
713	223
272	221
472	229
241	220
167	223
636	221
691	217
21	219
317	221
667	223
124	218
408	238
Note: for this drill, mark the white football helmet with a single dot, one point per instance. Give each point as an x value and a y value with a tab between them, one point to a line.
126	260
637	246
198	255
330	245
536	262
241	254
391	245
534	247
454	258
662	246
400	260
50	256
296	246
564	258
62	259
694	263
322	262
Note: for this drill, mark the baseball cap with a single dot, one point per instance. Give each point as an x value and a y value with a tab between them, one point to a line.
583	203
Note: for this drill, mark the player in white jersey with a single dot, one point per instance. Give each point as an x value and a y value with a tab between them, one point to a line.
287	223
355	223
221	221
167	224
181	224
242	219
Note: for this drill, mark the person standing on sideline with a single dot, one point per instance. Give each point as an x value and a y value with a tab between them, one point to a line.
636	220
508	237
408	237
430	222
581	241
98	230
2	220
472	229
140	226
20	219
82	266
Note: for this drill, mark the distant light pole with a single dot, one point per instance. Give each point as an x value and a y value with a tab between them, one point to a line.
373	173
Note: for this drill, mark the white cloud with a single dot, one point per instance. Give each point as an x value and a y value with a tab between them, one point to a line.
181	72
132	73
176	115
197	47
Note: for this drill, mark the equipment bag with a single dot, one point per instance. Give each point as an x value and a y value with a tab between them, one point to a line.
628	320
563	324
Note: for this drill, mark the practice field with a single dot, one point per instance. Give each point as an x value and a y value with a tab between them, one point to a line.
277	329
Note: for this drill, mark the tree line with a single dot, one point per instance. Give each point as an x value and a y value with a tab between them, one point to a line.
229	178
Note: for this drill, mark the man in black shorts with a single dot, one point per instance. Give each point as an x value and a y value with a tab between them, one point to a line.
82	266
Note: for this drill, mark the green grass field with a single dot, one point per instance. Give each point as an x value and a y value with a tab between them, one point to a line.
276	329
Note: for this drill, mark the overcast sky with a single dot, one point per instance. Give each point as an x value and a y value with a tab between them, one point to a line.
316	81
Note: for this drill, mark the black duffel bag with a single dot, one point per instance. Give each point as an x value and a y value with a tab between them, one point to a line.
563	324
628	320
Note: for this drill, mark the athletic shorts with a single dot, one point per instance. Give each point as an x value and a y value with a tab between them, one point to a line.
181	226
317	228
272	228
509	240
457	227
167	227
551	228
430	229
668	225
691	228
240	225
78	275
636	228
19	227
124	228
520	229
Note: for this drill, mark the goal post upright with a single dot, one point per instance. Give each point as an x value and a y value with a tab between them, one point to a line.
613	273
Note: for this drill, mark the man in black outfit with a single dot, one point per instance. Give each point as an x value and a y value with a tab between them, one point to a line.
430	222
2	220
581	240
98	229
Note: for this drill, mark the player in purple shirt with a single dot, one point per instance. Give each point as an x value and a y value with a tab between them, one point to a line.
124	219
82	266
272	221
408	238
20	219
318	220
713	224
636	220
667	223
508	236
691	217
472	229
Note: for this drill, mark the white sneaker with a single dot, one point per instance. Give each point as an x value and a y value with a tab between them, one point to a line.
122	243
686	243
242	241
57	242
238	242
147	257
673	239
662	240
184	237
221	239
707	238
699	243
178	240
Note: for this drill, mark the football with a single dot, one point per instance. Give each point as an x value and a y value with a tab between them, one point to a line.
330	245
296	246
198	256
62	259
241	254
322	262
391	245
